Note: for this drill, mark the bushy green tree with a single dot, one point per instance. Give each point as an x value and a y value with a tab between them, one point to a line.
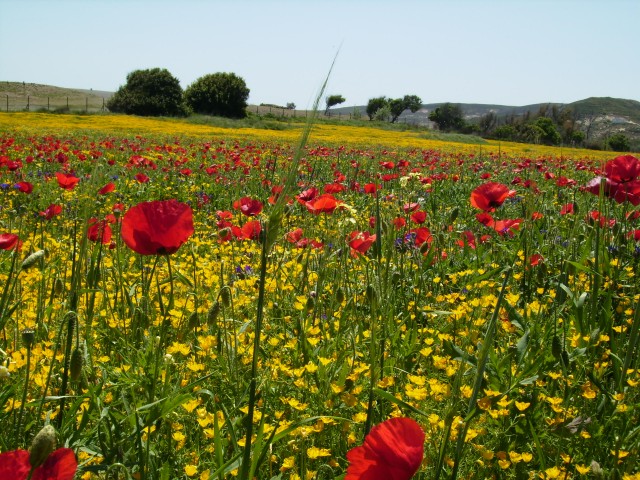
152	92
376	104
399	105
448	117
333	100
221	94
618	142
550	134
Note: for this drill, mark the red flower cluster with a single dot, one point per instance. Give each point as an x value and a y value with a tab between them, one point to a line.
393	450
620	182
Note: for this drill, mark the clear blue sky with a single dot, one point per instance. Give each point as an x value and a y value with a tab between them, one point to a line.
508	52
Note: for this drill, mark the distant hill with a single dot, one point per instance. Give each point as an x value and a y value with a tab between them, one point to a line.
598	117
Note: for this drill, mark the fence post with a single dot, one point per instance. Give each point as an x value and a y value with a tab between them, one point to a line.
102	105
7	103
47	104
28	100
67	103
86	104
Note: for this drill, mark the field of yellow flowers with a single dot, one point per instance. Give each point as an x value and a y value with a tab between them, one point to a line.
184	301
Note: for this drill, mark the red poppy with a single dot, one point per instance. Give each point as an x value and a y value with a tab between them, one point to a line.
308	195
142	178
635	234
507	227
24	187
620	191
248	206
325	203
468	238
67	181
422	235
99	231
567	209
60	465
108	188
251	230
410	207
360	242
399	222
535	259
623	169
9	241
490	196
158	227
51	211
419	217
334	188
371	188
393	450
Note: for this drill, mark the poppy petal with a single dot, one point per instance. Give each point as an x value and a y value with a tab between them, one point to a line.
15	464
60	465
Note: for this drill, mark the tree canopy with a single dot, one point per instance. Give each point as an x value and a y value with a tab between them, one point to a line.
152	92
221	94
333	100
448	117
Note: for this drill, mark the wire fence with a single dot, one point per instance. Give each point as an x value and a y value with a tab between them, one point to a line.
32	103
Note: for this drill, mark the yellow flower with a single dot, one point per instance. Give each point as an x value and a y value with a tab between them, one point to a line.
315	452
553	472
583	469
190	470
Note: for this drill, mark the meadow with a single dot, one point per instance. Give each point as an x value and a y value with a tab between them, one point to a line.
332	279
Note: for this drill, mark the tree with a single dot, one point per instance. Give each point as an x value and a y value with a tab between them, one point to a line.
448	117
488	123
619	142
333	100
221	94
376	104
399	105
152	92
550	134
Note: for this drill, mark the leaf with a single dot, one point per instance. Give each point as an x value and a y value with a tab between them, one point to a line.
457	353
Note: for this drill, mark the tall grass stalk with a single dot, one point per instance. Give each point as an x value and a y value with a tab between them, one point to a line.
271	232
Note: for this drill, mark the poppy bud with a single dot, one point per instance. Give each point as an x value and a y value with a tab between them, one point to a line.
193	322
212	314
339	295
75	364
556	347
225	295
28	337
44	443
58	286
371	294
32	259
453	215
310	304
565	359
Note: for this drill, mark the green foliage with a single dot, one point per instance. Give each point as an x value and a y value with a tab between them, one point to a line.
220	94
399	105
448	117
376	104
549	134
383	114
619	143
333	100
152	92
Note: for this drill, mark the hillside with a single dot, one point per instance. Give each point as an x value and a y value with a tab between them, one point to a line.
598	117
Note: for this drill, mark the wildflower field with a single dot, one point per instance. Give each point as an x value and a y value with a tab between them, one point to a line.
181	301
